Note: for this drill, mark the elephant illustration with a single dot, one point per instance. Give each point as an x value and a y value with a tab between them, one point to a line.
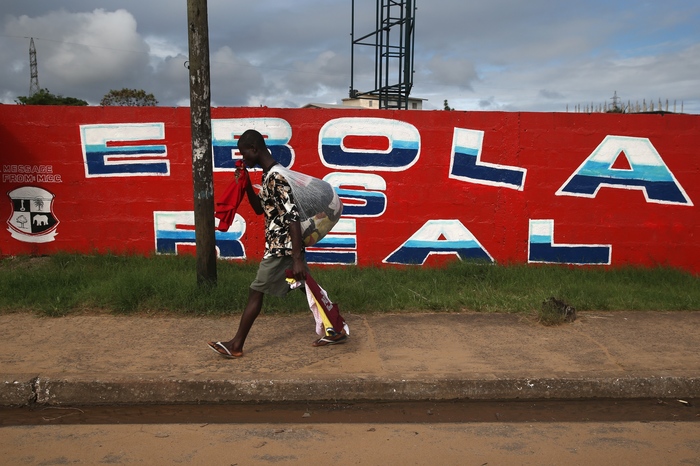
40	220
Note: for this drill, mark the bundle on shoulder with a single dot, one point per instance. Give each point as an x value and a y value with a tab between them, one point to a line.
319	206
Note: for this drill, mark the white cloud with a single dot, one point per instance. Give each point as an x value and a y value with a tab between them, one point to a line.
161	48
233	79
85	54
538	55
450	72
85	47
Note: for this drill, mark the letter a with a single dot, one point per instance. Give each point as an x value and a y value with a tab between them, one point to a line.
648	172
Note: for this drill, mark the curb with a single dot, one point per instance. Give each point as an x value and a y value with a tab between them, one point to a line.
58	392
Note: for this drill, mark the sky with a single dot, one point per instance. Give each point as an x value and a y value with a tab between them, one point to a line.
496	55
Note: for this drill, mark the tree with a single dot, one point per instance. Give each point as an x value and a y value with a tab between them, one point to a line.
129	98
447	106
44	97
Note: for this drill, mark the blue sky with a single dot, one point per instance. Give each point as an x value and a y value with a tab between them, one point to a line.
504	55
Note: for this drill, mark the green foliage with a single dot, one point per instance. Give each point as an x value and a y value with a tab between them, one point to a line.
129	98
44	97
615	110
447	106
67	283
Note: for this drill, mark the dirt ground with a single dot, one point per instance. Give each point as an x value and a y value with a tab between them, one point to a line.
372	444
84	357
588	432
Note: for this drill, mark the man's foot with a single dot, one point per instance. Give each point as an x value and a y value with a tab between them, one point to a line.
220	348
331	340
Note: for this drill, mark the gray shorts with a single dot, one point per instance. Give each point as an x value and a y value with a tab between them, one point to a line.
271	278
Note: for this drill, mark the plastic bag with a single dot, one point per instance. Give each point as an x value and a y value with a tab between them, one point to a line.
319	206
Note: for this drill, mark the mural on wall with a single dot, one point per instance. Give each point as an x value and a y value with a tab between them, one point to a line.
32	219
541	248
418	187
466	163
643	169
104	159
439	237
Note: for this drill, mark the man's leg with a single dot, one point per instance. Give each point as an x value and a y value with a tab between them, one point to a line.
251	312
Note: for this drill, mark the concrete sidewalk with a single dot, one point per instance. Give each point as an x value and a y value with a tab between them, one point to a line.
86	360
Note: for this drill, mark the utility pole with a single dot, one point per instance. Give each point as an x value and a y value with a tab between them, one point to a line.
200	116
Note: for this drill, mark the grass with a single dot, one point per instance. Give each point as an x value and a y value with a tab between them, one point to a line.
62	284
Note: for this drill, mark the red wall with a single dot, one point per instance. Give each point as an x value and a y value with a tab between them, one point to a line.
419	186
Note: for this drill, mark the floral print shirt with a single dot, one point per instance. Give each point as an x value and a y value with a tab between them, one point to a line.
280	211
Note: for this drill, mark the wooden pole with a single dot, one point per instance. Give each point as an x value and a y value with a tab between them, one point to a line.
200	110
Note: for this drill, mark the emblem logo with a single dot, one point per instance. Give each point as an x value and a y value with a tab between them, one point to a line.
32	219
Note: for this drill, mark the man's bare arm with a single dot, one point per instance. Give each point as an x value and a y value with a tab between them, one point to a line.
253	198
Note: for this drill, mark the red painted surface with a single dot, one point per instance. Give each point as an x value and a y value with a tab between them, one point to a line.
117	213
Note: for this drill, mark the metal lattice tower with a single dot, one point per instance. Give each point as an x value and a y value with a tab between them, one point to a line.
393	42
34	80
616	101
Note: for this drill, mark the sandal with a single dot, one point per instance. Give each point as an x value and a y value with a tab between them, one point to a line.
218	347
331	340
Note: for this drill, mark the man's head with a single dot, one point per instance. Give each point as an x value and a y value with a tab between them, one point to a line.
252	147
251	139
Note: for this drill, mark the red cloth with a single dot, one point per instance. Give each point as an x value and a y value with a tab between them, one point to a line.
228	203
327	307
